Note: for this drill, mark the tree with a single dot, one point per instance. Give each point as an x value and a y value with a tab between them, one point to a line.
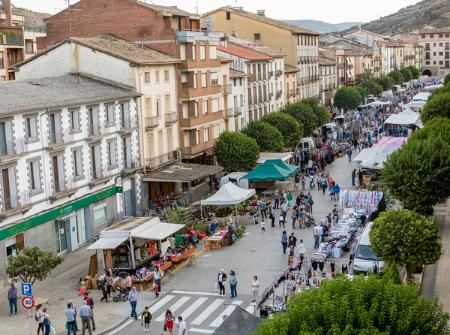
406	73
419	173
406	238
305	116
367	82
322	114
358	306
288	127
437	105
397	77
268	137
347	98
32	264
414	72
385	82
447	79
236	151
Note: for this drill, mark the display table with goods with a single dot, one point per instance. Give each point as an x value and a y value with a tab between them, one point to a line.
218	240
181	253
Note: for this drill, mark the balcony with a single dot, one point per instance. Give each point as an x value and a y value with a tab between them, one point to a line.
189	93
62	188
278	95
252	77
10	149
15	205
192	36
12	36
227	89
291	93
278	73
167	158
229	113
152	122
271	74
237	111
197	149
195	121
171	117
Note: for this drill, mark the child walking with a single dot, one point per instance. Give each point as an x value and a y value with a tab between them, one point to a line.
147	318
263	226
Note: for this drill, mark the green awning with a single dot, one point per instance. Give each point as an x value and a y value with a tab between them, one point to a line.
272	170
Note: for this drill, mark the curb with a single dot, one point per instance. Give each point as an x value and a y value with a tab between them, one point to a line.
116	325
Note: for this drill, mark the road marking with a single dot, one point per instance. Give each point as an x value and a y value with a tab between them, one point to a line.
193	307
208	311
218	321
198	330
121	327
174	307
160	303
251	308
196	293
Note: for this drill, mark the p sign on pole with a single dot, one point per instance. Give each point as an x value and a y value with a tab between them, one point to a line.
28	303
27	290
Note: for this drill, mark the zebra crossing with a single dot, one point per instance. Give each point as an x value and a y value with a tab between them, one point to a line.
203	311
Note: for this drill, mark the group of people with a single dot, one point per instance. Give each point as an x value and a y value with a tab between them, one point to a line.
290	243
222	279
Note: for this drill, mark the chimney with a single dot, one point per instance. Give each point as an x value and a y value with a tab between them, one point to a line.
8	12
261	12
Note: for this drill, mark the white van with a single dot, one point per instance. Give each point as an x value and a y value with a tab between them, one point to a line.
308	144
365	259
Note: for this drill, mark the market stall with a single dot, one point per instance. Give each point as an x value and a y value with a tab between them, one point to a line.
272	170
403	123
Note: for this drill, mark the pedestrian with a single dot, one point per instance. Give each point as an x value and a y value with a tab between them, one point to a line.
233	284
336	191
303	181
70	319
263	226
296	181
263	209
157	274
109	282
349	154
324	184
46	321
255	288
155	289
169	321
182	326
291	254
310	201
86	317
284	241
39	318
301	218
129	282
221	279
74	307
276	198
132	296
104	292
292	240
281	221
191	232
146	318
317	232
214	224
353	177
294	217
284	208
272	216
301	250
12	299
90	303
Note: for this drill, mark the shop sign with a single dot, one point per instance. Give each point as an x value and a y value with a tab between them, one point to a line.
37	220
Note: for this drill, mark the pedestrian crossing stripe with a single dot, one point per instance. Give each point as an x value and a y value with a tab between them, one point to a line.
174	307
208	311
192	308
160	303
219	320
251	308
202	331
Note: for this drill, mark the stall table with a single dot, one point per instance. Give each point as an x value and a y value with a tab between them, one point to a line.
217	240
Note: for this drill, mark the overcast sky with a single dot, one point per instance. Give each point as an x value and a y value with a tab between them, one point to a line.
332	11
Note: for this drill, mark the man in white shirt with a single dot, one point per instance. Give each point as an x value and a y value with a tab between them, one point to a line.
182	326
301	250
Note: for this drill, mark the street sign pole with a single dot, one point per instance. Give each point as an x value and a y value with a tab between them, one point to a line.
29	321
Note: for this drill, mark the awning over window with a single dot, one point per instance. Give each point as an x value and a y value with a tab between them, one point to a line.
107	243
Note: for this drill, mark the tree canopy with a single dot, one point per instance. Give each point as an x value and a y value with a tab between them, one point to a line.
359	306
32	264
267	136
447	79
397	76
236	151
385	82
288	126
419	173
347	98
406	73
367	82
414	71
437	105
406	238
305	116
322	114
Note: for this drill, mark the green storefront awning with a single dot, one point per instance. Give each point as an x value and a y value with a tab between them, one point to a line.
55	213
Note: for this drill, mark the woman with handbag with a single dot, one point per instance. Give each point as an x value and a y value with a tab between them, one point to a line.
46	321
169	322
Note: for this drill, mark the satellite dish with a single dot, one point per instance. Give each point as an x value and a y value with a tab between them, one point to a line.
208	23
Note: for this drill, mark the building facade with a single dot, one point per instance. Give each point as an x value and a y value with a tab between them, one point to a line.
69	159
328	80
238	102
436	50
290	78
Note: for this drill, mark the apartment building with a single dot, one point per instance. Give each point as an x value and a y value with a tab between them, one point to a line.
237	111
328	79
69	149
290	78
12	48
436	50
200	98
299	46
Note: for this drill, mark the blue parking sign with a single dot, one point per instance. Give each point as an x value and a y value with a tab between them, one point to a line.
27	290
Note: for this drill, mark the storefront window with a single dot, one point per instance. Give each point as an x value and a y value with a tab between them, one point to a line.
11	247
61	239
100	216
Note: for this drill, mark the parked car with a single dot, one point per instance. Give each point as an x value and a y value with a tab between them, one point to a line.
365	260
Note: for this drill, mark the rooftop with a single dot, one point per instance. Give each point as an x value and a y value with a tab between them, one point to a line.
182	172
168	10
236	74
326	61
434	30
57	92
290	69
243	52
265	19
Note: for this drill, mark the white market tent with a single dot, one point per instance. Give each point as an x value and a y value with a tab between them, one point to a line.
375	103
375	156
406	117
228	194
422	96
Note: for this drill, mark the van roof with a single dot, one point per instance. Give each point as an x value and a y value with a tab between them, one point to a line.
364	238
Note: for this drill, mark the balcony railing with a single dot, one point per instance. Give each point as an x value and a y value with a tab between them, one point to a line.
252	77
271	73
171	117
229	112
278	94
227	89
152	163
13	147
237	111
278	73
152	122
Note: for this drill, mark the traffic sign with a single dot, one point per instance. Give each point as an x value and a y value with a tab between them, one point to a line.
27	302
27	290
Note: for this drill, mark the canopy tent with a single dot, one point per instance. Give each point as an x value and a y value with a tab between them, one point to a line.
228	194
375	103
239	322
375	156
406	117
272	170
107	243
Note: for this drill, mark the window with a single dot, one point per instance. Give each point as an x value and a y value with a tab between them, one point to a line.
203	79
257	37
158	107
110	114
441	53
74	115
228	16
29	47
202	52
214	78
422	36
242	100
212	52
441	44
431	35
441	62
100	216
34	174
166	76
441	35
31	124
204	107
77	163
148	107
427	62
167	103
216	131
112	159
157	76
147	77
205	134
125	114
215	105
2	61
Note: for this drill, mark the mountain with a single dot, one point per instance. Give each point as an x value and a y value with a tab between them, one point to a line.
34	21
433	12
321	26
